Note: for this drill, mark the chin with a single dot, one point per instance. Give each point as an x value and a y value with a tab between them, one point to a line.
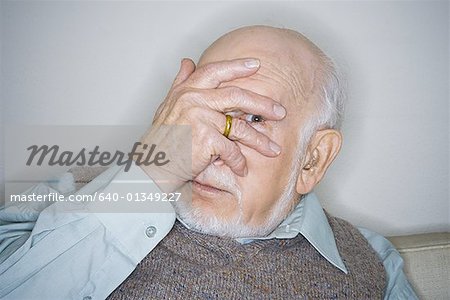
204	219
220	213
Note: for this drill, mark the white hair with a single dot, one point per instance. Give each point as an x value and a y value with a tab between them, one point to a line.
332	97
329	105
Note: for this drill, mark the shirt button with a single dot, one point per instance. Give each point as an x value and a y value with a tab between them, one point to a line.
150	231
87	298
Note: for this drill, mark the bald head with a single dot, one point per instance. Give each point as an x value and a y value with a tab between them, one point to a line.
272	41
294	61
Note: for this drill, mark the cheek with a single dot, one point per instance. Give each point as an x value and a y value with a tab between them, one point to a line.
264	184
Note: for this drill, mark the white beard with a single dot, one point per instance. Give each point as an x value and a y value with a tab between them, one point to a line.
211	224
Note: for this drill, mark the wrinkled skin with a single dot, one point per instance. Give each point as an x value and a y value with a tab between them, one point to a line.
242	181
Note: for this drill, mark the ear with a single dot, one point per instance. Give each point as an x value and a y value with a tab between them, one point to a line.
321	152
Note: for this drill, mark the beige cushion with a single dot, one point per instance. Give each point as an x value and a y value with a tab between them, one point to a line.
427	263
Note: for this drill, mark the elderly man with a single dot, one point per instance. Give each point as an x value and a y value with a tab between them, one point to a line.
264	106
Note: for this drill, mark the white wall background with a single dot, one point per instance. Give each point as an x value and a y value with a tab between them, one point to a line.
112	63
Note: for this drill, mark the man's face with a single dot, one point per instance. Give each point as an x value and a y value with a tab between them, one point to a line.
226	204
254	204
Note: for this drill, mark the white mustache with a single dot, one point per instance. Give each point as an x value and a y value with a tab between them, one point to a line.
219	178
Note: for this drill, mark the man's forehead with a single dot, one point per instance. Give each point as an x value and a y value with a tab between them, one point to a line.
267	82
290	63
279	82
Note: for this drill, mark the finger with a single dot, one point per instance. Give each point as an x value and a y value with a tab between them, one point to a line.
211	75
232	98
240	131
229	153
187	67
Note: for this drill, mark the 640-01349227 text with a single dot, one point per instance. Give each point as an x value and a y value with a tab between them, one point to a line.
97	196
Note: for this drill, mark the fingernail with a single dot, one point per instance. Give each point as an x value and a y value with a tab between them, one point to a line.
252	63
279	110
274	147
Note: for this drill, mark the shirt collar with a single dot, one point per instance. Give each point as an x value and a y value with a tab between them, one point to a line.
308	219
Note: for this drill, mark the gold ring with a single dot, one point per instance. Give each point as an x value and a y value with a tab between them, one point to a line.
227	130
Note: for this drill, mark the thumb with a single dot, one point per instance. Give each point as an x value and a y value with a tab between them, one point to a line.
187	67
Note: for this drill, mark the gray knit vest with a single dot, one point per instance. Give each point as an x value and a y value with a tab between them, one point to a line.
190	265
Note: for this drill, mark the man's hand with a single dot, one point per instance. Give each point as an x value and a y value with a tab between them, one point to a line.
195	99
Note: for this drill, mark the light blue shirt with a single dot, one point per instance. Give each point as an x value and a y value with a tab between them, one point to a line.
68	251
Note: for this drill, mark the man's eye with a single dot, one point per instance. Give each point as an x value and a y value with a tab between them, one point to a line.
253	118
